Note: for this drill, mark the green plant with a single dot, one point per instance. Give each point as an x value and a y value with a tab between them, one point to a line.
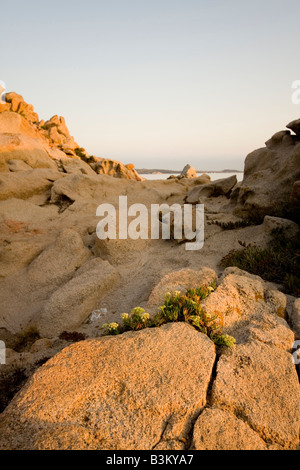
279	262
225	340
80	152
235	225
177	308
138	319
112	328
72	336
187	308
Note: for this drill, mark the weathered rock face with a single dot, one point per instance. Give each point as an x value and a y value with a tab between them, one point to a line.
217	429
76	166
38	144
20	141
24	184
54	130
290	228
250	309
57	133
269	176
18	105
117	169
165	388
295	196
258	383
47	144
222	187
67	308
122	392
24	294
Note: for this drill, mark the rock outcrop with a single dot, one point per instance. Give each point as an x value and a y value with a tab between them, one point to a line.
162	388
67	308
117	169
165	388
188	172
47	144
20	141
218	429
244	386
18	105
115	393
270	179
56	131
222	187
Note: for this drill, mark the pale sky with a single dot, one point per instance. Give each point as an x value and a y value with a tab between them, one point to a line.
158	83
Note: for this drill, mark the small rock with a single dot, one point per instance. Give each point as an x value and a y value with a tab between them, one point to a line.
121	392
41	345
290	228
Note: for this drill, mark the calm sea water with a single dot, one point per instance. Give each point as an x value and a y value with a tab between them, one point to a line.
213	176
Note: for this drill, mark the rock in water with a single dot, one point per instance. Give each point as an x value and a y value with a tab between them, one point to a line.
189	172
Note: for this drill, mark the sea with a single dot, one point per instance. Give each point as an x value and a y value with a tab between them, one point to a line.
213	176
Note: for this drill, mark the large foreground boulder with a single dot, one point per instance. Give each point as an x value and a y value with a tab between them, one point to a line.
132	391
165	388
258	383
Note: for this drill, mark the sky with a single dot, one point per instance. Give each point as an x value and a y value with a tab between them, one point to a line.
157	83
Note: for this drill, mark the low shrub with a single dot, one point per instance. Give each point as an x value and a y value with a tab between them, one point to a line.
279	262
26	339
72	336
177	308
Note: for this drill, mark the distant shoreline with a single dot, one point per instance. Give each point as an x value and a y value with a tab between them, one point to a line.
148	171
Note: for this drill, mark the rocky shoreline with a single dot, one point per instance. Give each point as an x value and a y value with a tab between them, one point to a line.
67	385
